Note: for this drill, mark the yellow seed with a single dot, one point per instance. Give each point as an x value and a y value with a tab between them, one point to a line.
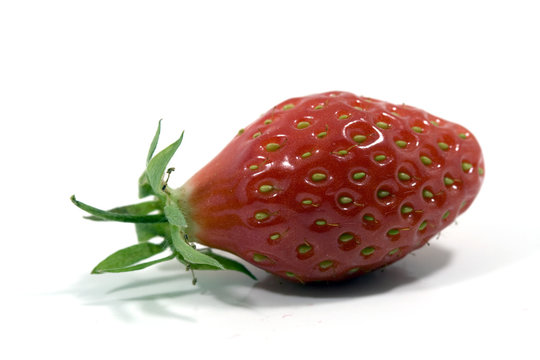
318	177
272	147
275	236
304	248
443	146
261	216
266	188
288	106
425	160
401	143
382	125
346	237
326	264
303	124
345	200
359	138
368	251
260	257
404	176
406	210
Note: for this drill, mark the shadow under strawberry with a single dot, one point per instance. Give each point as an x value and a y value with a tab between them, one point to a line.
270	291
418	267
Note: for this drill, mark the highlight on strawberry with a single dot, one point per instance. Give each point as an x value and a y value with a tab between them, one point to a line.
324	187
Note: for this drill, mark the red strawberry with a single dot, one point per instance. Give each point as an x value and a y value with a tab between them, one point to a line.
326	187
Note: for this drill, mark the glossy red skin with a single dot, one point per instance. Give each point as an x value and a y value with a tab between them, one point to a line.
224	196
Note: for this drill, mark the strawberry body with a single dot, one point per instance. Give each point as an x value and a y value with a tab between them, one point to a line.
333	185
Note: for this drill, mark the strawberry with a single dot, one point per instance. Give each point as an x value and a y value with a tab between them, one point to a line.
323	187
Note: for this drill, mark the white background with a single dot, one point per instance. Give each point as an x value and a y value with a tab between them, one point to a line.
82	86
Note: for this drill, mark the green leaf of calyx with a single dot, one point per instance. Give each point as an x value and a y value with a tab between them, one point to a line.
107	215
139	266
145	189
144	186
174	214
124	259
157	165
154	143
146	232
190	254
134	209
227	263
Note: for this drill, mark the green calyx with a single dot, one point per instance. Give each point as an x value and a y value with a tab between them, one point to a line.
165	217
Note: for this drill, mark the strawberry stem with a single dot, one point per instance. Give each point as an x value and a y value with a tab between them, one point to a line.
169	222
